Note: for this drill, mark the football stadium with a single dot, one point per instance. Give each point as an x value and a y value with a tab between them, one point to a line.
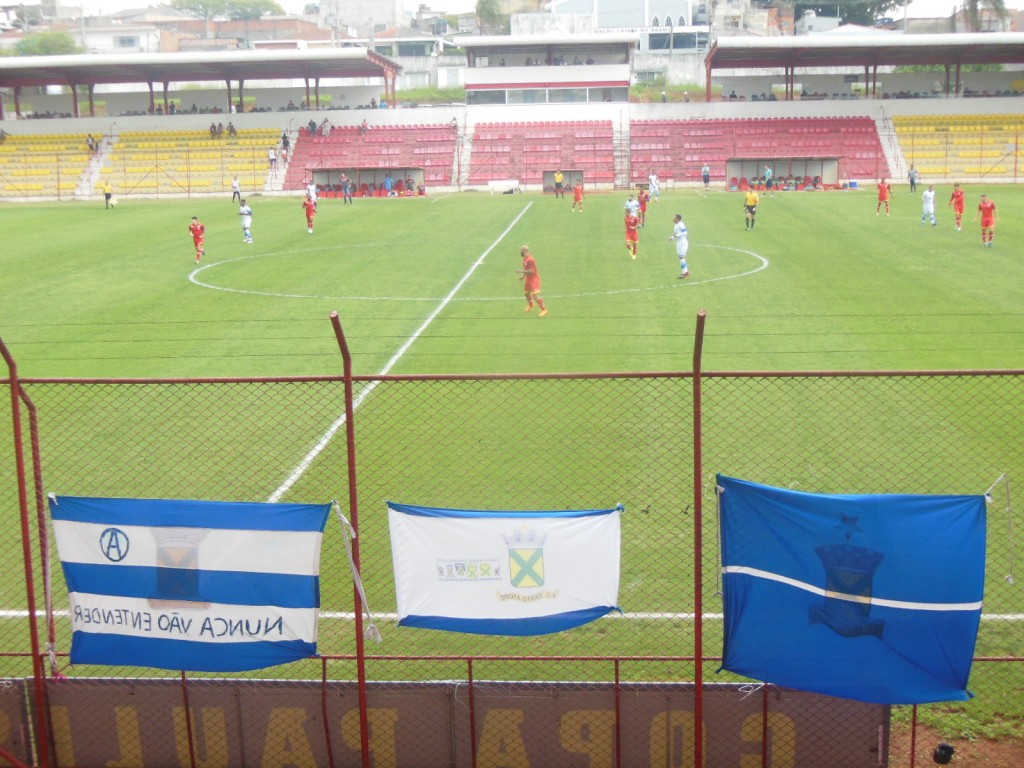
555	427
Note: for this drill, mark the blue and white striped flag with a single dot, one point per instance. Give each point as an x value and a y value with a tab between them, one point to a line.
504	573
199	586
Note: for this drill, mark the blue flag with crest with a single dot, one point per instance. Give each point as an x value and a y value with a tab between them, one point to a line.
870	597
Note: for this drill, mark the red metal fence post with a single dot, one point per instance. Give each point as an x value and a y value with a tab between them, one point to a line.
698	549
43	742
353	502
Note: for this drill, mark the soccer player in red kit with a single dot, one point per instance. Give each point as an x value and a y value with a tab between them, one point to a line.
531	281
198	236
643	197
632	233
957	202
987	211
309	204
884	191
577	197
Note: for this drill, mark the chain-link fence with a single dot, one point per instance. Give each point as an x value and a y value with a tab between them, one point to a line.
622	691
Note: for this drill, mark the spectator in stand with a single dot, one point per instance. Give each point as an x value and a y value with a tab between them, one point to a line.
91	143
373	103
312	127
213	130
272	159
220	130
363	128
232	132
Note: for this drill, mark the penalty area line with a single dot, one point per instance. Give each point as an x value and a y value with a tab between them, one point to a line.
322	443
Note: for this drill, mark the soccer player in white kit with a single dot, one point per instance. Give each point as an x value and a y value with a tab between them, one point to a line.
682	244
653	187
928	205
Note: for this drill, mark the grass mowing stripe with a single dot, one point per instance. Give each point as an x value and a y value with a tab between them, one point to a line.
317	449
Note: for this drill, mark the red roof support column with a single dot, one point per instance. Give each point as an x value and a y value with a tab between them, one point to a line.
74	100
708	66
17	101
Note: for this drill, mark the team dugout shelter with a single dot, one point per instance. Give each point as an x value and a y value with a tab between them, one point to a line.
159	70
866	53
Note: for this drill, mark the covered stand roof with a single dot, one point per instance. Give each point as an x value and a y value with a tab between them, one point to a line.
91	69
867	52
223	66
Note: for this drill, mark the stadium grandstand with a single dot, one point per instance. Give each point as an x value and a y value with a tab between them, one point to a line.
787	102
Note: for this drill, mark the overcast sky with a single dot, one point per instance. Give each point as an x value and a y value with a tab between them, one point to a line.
917	8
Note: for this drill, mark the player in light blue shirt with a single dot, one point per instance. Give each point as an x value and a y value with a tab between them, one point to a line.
679	234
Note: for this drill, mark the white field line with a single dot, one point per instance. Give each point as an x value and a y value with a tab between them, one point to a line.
322	443
348	616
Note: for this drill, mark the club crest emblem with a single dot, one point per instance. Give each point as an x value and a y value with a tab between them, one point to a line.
525	559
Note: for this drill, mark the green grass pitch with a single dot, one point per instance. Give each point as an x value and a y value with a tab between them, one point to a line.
821	283
428	285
